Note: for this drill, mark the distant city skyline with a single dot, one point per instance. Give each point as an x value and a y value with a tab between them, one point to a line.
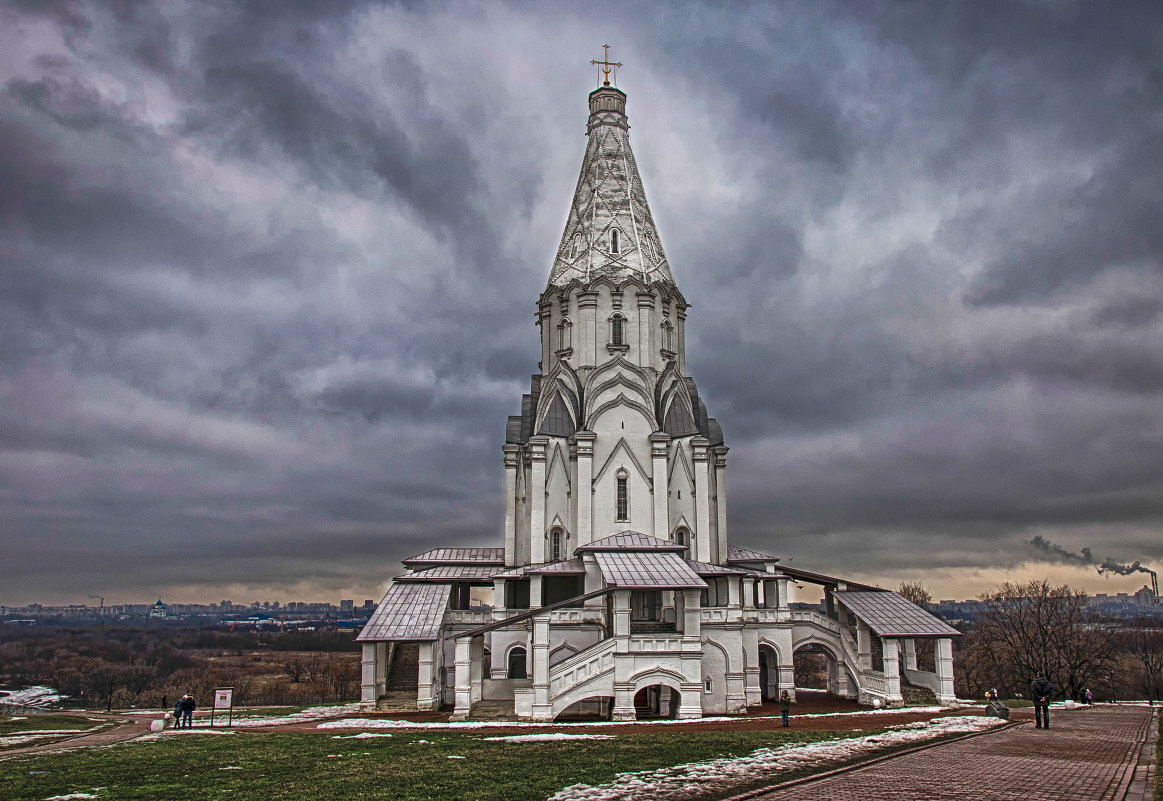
270	271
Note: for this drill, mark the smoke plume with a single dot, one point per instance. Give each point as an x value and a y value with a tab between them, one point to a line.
1086	557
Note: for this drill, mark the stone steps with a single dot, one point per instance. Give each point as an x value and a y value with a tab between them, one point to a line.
397	701
492	710
917	696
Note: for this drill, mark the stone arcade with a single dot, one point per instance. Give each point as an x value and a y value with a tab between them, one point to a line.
616	592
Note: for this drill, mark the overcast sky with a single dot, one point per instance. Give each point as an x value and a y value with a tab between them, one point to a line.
268	274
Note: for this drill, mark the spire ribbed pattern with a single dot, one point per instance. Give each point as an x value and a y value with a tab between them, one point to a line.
610	231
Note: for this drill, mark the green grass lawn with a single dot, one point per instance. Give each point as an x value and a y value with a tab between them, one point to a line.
8	725
411	764
11	729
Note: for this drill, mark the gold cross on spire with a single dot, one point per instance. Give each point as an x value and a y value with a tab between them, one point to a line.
607	65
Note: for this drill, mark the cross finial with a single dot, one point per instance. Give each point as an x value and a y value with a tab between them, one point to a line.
606	65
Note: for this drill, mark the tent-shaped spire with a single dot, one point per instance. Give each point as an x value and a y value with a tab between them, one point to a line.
610	231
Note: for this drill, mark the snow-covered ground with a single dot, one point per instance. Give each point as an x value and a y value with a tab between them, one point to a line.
376	723
548	738
683	781
30	696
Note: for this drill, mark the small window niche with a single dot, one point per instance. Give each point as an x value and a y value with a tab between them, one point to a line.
622	499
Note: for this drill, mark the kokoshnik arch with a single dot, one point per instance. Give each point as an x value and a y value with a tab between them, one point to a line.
616	592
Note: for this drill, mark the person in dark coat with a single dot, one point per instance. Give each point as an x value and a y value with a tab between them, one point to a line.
784	706
1040	691
188	707
178	712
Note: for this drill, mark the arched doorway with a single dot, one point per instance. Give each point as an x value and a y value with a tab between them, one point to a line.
769	673
812	666
657	701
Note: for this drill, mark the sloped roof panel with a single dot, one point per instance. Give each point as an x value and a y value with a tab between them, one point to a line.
891	615
410	611
448	573
631	541
459	556
647	570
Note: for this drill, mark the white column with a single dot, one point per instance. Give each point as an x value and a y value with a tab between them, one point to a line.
585	486
511	460
367	691
781	590
622	619
721	504
659	446
476	677
542	710
692	624
909	654
863	645
944	660
428	684
892	676
463	680
537	446
701	536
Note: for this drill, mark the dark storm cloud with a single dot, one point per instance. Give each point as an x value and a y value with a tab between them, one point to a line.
269	269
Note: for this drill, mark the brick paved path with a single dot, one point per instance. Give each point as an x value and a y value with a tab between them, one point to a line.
1087	755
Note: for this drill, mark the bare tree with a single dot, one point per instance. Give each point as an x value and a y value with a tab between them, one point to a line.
916	592
1144	642
1033	628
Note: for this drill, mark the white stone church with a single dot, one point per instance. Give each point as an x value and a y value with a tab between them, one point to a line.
617	592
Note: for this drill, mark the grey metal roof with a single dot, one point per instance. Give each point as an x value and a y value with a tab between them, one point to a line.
631	541
544	568
737	554
459	556
647	570
707	569
448	573
891	615
411	611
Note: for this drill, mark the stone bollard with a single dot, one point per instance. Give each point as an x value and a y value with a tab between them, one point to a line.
157	725
1070	704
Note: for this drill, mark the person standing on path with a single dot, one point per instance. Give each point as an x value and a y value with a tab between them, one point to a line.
178	712
784	706
1040	691
188	707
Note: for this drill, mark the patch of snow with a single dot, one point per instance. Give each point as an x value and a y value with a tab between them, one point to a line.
69	797
682	781
231	767
11	740
306	716
363	735
31	696
50	731
544	738
454	757
377	723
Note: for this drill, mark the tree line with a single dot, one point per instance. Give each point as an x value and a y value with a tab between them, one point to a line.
124	667
1036	627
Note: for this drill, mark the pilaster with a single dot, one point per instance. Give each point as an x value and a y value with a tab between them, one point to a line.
721	505
537	453
587	305
701	537
659	448
511	460
892	674
584	443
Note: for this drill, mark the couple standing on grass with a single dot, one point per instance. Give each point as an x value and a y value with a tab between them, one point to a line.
184	712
